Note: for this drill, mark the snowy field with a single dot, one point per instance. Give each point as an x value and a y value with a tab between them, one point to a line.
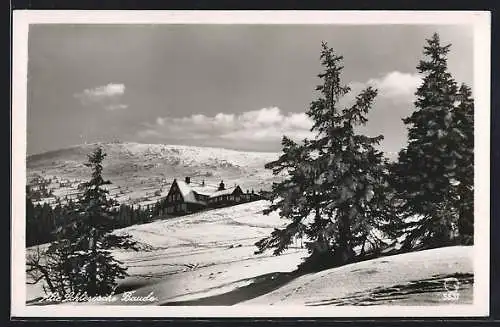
208	259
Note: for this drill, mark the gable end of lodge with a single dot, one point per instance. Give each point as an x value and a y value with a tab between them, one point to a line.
186	197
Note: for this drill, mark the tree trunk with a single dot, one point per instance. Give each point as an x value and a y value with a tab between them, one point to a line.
92	288
45	274
362	253
322	241
345	252
465	227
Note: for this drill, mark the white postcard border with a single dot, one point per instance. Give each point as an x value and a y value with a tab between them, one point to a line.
479	20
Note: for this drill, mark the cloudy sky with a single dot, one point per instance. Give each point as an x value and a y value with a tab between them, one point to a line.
233	86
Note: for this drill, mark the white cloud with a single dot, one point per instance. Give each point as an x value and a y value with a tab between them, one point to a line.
257	128
102	92
112	107
160	121
394	85
397	84
224	118
107	96
264	128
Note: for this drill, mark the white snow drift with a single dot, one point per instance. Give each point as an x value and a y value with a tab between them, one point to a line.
211	254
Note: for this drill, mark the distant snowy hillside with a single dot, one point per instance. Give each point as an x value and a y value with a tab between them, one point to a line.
138	171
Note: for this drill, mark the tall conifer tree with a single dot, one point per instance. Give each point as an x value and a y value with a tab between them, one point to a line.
86	239
437	158
334	190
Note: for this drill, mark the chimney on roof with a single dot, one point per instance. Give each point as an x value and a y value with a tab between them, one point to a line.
203	183
221	186
187	180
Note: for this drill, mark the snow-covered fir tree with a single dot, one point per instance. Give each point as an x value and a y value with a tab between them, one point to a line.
434	171
82	246
334	191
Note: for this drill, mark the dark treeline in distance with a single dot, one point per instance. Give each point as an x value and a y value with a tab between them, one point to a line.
43	220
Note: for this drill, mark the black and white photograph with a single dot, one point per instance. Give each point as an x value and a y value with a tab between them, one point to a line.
250	164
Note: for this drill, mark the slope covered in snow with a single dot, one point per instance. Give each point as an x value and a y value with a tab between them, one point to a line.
208	251
208	259
416	278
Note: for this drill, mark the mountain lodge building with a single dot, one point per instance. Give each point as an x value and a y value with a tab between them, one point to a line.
187	197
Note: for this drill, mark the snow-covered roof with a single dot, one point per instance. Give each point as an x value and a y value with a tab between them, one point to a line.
184	188
188	191
227	191
204	190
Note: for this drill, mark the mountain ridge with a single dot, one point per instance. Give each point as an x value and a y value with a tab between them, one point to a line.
95	144
142	169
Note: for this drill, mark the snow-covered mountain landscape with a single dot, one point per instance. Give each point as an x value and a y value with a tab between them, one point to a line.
183	168
142	173
208	258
